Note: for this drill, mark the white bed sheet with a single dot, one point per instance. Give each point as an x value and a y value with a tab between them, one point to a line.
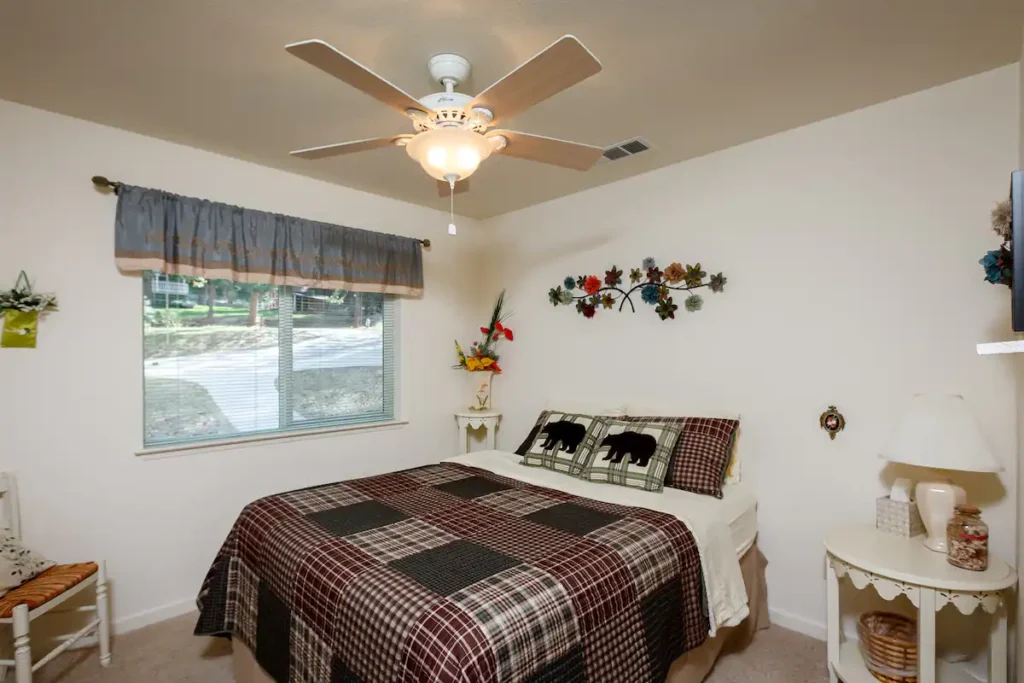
723	529
738	507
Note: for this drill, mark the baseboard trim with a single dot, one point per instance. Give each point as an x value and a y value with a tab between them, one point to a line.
138	620
152	616
795	622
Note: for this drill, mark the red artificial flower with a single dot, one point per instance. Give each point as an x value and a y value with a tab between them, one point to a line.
495	369
508	334
484	330
589	310
592	285
499	327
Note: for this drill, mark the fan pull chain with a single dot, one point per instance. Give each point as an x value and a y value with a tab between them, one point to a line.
451	209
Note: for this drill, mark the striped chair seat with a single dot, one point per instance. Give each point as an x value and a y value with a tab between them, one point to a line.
45	587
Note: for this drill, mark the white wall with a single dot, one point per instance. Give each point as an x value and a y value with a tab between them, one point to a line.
851	247
71	410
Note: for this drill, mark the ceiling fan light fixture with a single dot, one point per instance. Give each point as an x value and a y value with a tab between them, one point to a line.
445	152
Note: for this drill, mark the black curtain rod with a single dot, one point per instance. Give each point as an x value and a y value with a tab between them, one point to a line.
101	181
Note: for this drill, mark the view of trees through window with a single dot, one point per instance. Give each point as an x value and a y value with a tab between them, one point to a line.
225	358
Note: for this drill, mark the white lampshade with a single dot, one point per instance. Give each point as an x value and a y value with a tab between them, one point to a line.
940	432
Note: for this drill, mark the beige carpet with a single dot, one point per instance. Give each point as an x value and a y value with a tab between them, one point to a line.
168	653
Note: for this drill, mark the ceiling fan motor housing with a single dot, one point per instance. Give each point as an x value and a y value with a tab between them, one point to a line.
449	112
449	67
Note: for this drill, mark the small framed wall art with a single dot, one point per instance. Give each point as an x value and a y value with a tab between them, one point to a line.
832	421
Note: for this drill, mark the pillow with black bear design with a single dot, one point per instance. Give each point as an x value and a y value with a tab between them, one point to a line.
630	454
558	442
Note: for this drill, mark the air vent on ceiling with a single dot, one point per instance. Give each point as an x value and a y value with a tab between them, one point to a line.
626	149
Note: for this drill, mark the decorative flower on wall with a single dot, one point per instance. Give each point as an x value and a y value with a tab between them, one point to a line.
592	285
694	276
649	294
654	285
674	273
613	277
666	309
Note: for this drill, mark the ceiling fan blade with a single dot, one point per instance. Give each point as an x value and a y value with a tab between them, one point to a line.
330	60
460	187
325	151
557	67
553	151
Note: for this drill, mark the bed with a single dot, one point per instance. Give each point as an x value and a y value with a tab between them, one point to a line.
684	581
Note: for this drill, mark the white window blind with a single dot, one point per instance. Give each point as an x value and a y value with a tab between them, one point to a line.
225	359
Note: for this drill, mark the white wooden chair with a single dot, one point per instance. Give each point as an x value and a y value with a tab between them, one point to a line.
34	598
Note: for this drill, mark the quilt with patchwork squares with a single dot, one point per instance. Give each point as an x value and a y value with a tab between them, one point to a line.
449	573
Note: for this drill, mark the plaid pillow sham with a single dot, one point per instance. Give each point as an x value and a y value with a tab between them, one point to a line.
701	455
631	454
559	442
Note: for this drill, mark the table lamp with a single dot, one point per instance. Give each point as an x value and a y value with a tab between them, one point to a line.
940	433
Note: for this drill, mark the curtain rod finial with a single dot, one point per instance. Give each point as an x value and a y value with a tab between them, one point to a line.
425	243
103	183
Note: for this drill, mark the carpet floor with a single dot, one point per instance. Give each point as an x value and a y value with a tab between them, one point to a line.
167	652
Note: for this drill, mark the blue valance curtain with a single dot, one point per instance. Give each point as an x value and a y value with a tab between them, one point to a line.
156	230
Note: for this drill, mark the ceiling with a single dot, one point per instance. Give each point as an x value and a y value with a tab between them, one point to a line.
691	76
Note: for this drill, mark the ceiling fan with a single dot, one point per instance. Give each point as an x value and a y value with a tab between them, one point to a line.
452	129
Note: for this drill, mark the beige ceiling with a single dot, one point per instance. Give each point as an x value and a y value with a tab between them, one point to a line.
692	76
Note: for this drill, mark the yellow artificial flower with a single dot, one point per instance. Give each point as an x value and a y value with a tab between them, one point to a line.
486	362
472	364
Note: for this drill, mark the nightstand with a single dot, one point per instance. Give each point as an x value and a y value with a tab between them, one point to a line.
904	566
477	419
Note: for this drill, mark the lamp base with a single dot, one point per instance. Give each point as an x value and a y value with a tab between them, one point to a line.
936	501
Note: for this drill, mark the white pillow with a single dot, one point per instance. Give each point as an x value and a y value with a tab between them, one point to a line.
18	564
586	408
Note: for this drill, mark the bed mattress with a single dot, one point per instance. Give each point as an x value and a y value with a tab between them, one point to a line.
738	508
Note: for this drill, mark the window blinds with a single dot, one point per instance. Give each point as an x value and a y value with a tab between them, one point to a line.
225	359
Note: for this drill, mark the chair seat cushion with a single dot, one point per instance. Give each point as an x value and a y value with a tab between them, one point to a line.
46	586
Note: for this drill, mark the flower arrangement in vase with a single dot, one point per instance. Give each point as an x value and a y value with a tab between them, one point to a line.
483	355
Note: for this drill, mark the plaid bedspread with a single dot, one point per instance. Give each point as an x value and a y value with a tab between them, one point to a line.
448	573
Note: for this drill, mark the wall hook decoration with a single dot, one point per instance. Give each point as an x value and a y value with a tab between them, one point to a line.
21	308
654	285
832	421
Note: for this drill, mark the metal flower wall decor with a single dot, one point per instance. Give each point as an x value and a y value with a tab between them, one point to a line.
654	285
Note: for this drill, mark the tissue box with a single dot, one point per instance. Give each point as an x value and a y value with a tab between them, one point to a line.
901	519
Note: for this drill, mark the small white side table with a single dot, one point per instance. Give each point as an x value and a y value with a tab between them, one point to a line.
904	566
476	419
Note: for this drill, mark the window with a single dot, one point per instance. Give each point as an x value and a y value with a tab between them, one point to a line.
225	359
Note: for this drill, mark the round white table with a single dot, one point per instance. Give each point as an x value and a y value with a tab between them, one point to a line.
477	419
904	566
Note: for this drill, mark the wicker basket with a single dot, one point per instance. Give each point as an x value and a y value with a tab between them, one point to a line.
888	643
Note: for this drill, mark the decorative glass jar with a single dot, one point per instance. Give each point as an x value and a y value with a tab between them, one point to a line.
967	539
